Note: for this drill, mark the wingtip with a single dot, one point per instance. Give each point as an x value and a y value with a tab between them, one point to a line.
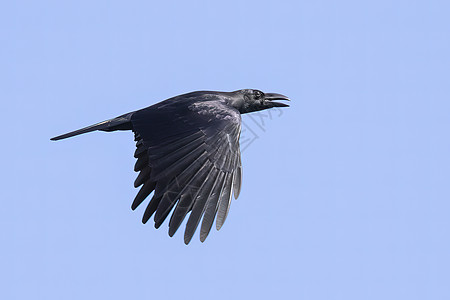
145	219
203	237
187	239
218	225
172	231
158	224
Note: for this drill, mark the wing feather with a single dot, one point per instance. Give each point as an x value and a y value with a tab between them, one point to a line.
154	202
142	177
225	200
211	207
141	163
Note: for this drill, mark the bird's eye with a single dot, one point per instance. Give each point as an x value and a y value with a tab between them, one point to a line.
257	95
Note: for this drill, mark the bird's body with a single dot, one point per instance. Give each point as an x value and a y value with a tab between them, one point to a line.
188	154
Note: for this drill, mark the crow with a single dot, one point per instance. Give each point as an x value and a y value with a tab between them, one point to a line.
188	154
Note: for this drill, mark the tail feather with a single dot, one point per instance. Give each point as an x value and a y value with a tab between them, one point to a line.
122	122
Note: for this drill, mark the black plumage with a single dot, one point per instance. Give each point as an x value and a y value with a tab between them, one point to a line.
187	151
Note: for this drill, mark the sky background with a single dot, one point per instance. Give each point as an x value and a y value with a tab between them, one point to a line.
346	194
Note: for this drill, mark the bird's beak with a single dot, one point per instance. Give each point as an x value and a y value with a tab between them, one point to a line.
273	96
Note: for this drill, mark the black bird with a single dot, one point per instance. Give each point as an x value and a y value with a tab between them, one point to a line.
188	154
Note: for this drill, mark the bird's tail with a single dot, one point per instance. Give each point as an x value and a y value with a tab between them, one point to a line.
122	122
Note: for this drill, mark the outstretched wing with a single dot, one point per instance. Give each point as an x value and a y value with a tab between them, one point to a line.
189	156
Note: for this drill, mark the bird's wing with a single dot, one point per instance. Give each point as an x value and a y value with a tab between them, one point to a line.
190	158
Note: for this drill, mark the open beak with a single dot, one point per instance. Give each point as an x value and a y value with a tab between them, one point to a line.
273	96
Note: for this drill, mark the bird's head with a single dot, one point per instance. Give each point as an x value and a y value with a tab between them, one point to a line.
249	100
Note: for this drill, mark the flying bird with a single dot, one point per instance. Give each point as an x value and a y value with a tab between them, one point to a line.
188	154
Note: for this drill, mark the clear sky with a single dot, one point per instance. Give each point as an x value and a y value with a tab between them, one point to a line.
346	194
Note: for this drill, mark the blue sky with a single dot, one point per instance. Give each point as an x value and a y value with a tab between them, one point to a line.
345	194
